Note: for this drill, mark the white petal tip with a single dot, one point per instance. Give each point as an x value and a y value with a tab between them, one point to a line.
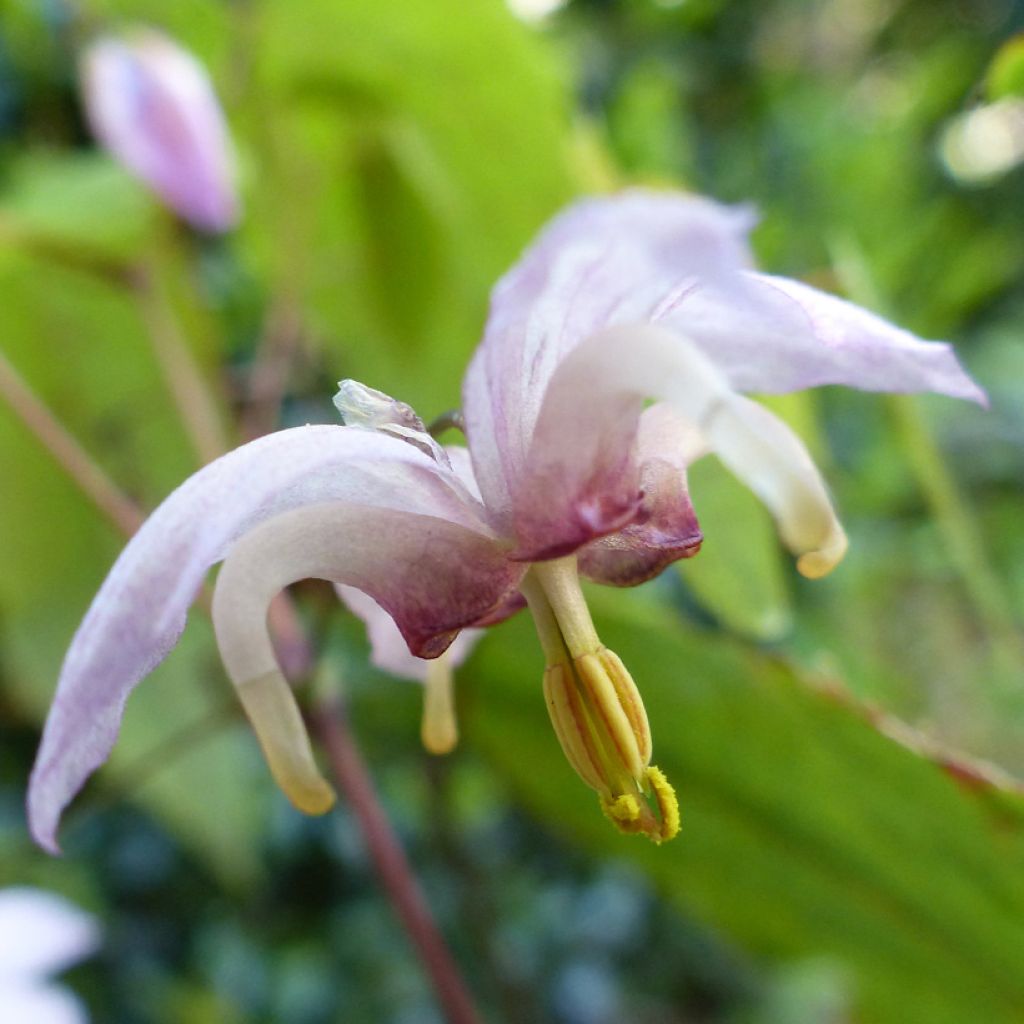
314	797
278	725
821	561
439	741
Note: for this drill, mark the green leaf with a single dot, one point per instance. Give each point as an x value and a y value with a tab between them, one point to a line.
428	144
85	204
738	575
1006	72
805	832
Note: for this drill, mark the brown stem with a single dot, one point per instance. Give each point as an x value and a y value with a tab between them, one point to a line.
268	377
451	420
185	381
329	723
67	452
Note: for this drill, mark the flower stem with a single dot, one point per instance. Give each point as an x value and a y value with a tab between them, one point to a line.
190	391
329	723
91	480
268	377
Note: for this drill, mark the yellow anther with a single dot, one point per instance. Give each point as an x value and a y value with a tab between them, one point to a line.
570	723
634	815
598	689
629	700
622	810
439	730
668	805
596	709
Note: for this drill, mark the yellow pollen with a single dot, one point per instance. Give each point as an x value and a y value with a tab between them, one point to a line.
596	709
668	805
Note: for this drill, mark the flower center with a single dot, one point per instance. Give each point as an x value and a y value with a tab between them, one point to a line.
595	707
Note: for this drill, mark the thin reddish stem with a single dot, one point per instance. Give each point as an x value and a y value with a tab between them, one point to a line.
189	390
329	723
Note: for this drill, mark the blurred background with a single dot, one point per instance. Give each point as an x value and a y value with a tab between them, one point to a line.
844	751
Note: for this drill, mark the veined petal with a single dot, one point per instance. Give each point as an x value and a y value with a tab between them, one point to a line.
590	407
680	262
432	576
140	610
41	934
772	334
602	262
666	528
152	105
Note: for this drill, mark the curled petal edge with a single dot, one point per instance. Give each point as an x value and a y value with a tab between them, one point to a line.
613	370
140	611
431	575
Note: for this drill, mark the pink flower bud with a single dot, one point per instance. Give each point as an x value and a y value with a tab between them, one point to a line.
152	106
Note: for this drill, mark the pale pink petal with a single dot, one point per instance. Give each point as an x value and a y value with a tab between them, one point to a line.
462	465
591	418
771	334
666	528
601	262
431	575
388	649
679	262
152	106
41	934
39	1004
140	610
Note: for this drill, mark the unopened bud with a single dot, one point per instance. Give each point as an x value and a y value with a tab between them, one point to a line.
151	104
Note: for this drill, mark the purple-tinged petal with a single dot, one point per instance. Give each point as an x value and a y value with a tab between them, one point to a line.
682	263
388	649
462	465
152	106
140	610
602	262
666	528
41	934
590	418
772	334
431	575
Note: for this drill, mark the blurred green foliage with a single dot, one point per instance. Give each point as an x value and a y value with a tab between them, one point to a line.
396	158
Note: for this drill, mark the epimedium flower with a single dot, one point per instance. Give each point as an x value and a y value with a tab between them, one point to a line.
567	471
152	106
41	935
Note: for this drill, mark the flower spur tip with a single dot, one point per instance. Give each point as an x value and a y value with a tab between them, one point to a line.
275	718
439	730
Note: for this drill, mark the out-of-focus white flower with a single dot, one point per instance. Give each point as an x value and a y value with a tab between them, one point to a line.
153	107
40	935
